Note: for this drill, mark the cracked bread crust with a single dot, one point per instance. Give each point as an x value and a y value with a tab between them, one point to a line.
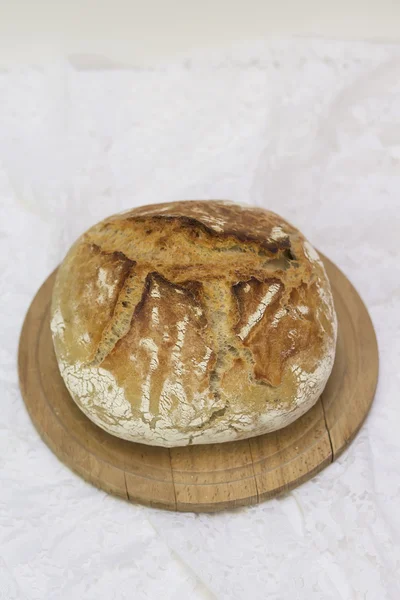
193	322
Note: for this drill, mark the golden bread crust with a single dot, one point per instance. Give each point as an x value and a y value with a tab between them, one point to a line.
193	322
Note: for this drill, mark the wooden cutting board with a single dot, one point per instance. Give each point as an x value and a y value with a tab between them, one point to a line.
206	477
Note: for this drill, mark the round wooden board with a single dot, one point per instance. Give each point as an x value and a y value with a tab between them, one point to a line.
210	477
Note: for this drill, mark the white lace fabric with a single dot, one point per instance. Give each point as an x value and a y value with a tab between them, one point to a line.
309	129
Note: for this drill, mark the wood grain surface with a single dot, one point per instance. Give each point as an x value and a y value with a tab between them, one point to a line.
205	477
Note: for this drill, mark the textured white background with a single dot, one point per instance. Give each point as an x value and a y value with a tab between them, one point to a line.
308	129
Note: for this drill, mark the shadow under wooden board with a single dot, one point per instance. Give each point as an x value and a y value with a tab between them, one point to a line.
206	477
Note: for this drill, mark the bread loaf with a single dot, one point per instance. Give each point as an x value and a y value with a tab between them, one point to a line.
193	323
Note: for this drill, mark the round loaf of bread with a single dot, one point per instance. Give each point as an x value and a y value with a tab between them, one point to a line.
193	323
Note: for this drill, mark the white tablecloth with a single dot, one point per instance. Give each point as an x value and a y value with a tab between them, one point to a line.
309	129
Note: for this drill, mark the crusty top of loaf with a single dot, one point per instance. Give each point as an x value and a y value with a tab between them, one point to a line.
195	308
